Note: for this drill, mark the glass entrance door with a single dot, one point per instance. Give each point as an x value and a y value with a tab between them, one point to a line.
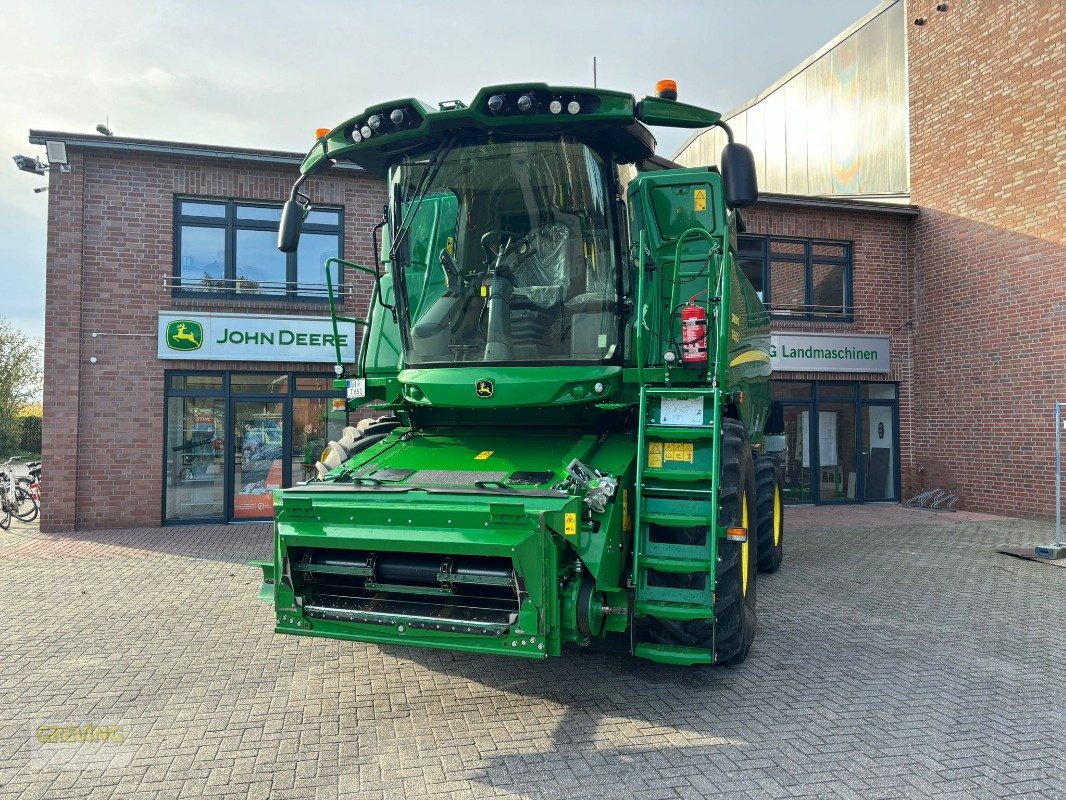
258	457
195	468
837	475
797	488
879	452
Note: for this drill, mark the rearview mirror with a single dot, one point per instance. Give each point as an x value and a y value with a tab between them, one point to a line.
292	218
738	175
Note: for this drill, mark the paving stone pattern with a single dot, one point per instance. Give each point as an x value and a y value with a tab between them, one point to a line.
897	656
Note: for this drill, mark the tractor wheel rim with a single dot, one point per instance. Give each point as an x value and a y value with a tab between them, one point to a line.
777	516
744	546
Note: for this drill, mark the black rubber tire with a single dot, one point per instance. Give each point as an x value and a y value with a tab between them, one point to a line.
25	506
731	633
769	515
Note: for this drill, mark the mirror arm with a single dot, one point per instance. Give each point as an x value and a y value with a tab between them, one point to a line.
728	131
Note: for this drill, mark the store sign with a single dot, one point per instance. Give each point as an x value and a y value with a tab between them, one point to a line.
828	352
251	337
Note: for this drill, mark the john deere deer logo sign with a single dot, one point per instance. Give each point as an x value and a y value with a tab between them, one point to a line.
207	336
484	388
184	334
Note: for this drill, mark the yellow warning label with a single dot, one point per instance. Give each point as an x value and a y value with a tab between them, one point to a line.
484	290
483	455
627	520
699	199
570	524
655	455
677	451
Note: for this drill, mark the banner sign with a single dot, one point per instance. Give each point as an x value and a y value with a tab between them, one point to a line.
828	352
250	337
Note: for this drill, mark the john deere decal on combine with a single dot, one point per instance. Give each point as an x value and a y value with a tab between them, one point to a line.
572	385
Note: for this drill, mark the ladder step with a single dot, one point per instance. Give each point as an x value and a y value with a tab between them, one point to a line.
677	475
673	654
680	431
673	521
663	564
673	610
675	491
650	391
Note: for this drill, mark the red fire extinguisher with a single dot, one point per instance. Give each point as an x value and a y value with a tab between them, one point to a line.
693	333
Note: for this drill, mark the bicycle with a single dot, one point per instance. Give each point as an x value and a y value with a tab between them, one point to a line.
28	493
15	501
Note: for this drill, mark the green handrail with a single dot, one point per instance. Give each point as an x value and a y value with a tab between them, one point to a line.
638	335
332	305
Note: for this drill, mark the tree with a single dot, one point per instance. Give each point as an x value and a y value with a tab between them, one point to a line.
21	379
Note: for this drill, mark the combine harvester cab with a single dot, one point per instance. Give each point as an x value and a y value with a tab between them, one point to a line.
573	382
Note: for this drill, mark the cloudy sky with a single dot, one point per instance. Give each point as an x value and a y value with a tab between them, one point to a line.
267	73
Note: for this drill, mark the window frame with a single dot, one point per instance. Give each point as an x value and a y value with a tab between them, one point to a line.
808	259
230	224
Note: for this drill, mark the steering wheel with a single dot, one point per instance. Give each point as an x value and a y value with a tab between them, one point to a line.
503	243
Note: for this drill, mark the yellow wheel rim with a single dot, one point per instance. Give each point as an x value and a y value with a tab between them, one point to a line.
744	547
777	516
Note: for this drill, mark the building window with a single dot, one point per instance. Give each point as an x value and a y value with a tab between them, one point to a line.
799	278
230	247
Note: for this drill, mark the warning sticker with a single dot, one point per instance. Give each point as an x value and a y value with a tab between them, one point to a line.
677	451
655	455
699	199
570	524
483	455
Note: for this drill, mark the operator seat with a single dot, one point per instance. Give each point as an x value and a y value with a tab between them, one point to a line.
541	282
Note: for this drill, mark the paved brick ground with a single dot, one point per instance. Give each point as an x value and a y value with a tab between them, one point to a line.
897	657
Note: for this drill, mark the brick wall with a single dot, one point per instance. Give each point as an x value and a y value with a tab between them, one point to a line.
988	168
881	293
110	246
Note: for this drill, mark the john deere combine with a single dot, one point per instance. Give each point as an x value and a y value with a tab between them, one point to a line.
572	383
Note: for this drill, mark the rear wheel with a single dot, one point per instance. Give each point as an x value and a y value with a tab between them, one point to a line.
25	506
769	514
733	629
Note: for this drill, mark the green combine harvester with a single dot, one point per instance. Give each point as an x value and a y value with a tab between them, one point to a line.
572	385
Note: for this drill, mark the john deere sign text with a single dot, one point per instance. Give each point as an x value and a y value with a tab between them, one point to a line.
245	337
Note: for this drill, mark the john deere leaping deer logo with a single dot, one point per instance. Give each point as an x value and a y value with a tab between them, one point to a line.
184	334
484	388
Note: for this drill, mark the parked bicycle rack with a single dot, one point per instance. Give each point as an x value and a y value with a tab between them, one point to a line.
933	500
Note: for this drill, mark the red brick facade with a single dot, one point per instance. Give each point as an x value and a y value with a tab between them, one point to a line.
110	248
881	291
988	169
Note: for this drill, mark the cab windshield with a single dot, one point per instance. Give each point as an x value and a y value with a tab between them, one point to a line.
504	254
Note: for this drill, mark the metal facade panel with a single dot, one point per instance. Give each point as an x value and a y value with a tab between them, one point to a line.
844	101
818	78
774	142
838	126
796	137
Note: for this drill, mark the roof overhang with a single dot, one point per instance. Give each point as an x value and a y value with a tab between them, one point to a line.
901	209
155	147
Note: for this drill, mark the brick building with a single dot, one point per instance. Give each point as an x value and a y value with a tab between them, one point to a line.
912	255
142	234
957	110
